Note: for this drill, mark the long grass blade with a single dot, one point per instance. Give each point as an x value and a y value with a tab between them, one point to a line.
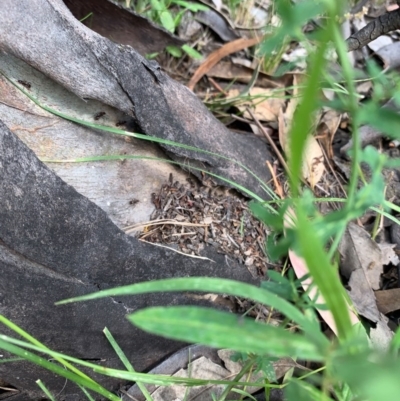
36	342
214	285
60	371
141	136
125	361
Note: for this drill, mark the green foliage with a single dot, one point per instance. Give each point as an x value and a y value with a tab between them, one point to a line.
191	52
223	330
163	14
349	368
168	14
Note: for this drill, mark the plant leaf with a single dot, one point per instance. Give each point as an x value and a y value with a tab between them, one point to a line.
214	285
224	330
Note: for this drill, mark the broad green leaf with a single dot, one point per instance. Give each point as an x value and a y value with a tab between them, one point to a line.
281	286
192	52
371	377
385	120
225	330
174	51
293	17
269	218
214	285
190	6
167	20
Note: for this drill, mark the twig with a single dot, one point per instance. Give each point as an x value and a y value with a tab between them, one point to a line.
270	141
174	250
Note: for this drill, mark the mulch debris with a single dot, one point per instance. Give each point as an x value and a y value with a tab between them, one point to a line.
188	216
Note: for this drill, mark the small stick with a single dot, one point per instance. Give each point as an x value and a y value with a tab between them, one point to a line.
271	142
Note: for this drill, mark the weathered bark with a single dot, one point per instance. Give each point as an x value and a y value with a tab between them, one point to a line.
122	188
379	26
44	34
55	244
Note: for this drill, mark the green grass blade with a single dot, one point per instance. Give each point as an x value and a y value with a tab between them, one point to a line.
10	360
160	380
36	342
224	330
125	361
29	356
302	121
324	275
45	390
215	285
142	136
84	391
140	157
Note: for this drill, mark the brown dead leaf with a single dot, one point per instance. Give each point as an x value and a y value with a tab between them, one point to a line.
264	102
301	269
228	70
219	54
359	251
313	166
361	263
313	158
283	128
388	300
381	335
327	128
285	116
202	368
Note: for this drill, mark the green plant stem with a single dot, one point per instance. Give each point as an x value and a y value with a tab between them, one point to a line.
302	122
33	340
243	371
353	110
125	361
14	346
320	268
241	188
6	343
45	390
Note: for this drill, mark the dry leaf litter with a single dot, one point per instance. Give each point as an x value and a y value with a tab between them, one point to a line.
189	216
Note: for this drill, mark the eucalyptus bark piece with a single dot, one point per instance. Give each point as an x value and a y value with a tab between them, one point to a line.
381	25
54	244
44	34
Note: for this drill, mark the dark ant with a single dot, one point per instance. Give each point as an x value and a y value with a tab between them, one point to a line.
120	123
99	114
25	83
133	201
